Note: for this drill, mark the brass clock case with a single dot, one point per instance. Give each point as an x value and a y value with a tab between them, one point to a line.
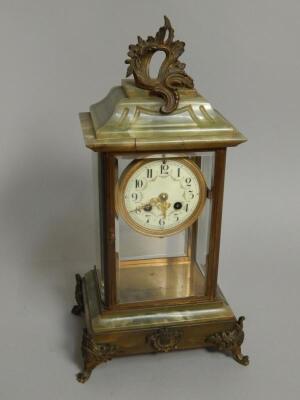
137	303
123	212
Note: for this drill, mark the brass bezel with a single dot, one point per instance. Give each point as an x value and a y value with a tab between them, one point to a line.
122	211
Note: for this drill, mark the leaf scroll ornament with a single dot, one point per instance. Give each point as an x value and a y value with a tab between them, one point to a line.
171	75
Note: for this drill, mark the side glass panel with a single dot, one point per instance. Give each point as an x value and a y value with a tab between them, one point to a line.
163	268
203	225
96	158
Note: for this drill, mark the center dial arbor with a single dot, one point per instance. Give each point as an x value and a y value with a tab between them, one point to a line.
161	197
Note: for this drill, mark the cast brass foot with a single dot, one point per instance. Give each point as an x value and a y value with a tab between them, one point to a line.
239	357
230	341
78	309
82	377
89	365
93	354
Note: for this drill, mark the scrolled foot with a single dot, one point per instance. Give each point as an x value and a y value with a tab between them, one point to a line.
78	309
94	354
83	376
239	357
230	342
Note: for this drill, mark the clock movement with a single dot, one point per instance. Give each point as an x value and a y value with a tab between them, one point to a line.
159	160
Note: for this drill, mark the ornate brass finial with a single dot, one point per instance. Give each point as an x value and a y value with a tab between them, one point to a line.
171	74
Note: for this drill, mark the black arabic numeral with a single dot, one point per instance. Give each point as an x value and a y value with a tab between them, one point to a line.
139	183
188	181
134	196
164	169
191	194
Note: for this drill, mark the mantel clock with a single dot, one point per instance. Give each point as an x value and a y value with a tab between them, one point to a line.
159	161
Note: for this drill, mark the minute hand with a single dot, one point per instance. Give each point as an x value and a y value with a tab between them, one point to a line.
164	207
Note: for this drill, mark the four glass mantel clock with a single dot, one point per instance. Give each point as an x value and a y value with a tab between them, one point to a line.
159	150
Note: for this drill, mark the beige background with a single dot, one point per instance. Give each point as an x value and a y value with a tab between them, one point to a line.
58	57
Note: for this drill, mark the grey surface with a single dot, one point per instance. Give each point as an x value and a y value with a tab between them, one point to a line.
57	58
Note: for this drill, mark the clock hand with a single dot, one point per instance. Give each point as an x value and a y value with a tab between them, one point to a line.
152	202
160	202
164	208
163	204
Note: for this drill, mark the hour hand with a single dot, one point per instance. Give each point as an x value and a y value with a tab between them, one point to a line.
147	206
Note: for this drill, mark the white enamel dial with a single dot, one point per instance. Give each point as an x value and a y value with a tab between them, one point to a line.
161	197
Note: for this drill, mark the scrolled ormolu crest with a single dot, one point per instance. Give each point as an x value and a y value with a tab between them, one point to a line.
171	75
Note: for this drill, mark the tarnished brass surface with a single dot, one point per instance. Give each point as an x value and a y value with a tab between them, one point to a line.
168	280
169	329
133	122
171	74
165	339
166	330
149	318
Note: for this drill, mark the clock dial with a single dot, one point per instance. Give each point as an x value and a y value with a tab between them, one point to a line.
161	197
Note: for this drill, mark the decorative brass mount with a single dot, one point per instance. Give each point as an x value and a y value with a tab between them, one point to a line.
78	309
94	354
165	339
98	348
230	341
171	75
